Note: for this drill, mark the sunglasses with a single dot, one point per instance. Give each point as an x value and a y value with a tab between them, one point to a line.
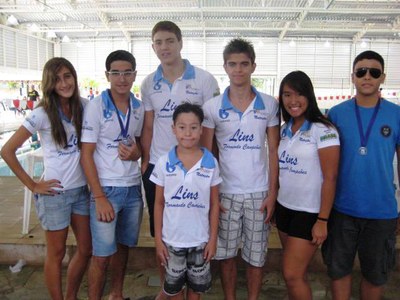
375	73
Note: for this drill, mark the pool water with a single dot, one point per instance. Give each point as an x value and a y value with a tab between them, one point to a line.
37	167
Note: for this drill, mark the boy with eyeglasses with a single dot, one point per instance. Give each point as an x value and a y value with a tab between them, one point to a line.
365	214
110	149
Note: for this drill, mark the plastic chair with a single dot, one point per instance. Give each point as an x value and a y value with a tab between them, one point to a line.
32	157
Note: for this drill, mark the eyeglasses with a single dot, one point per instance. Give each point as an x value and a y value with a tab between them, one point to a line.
375	73
125	74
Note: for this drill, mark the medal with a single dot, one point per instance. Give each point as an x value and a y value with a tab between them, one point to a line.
124	129
364	138
127	141
362	150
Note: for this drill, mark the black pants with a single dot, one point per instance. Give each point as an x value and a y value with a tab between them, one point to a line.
150	192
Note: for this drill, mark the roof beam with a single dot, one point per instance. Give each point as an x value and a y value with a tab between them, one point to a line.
396	24
126	33
219	9
358	36
350	19
224	29
283	32
102	16
304	13
328	3
105	20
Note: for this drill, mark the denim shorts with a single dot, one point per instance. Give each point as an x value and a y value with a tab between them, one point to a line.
187	266
124	229
243	223
373	239
54	212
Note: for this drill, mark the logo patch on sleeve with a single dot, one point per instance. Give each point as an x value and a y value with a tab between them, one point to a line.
329	136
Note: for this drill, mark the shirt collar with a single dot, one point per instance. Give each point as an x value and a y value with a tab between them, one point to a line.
109	106
62	115
207	161
188	73
304	127
227	104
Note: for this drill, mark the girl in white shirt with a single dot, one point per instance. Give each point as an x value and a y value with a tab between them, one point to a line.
308	165
61	195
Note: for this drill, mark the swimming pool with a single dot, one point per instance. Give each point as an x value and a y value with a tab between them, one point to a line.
23	159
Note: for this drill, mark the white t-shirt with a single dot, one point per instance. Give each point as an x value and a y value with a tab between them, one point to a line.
59	163
101	126
241	140
300	175
187	198
195	86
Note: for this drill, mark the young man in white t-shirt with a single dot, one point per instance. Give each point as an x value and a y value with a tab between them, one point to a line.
175	81
241	120
110	150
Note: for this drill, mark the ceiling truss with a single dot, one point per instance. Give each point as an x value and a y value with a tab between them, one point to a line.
282	19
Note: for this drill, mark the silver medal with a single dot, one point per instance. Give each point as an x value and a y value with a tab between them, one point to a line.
363	150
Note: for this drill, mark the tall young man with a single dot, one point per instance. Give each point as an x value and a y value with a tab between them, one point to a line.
365	211
110	150
175	81
241	120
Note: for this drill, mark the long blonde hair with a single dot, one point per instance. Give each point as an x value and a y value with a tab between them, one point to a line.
50	100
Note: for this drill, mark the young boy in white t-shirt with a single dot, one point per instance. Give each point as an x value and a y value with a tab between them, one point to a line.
186	207
175	81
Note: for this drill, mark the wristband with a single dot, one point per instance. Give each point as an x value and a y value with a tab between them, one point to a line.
322	219
99	196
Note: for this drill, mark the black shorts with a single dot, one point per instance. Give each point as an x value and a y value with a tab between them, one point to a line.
373	239
295	223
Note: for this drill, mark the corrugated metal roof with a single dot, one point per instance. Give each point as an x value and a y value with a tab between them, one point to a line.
80	19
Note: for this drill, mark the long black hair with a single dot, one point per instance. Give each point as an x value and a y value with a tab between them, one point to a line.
301	83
